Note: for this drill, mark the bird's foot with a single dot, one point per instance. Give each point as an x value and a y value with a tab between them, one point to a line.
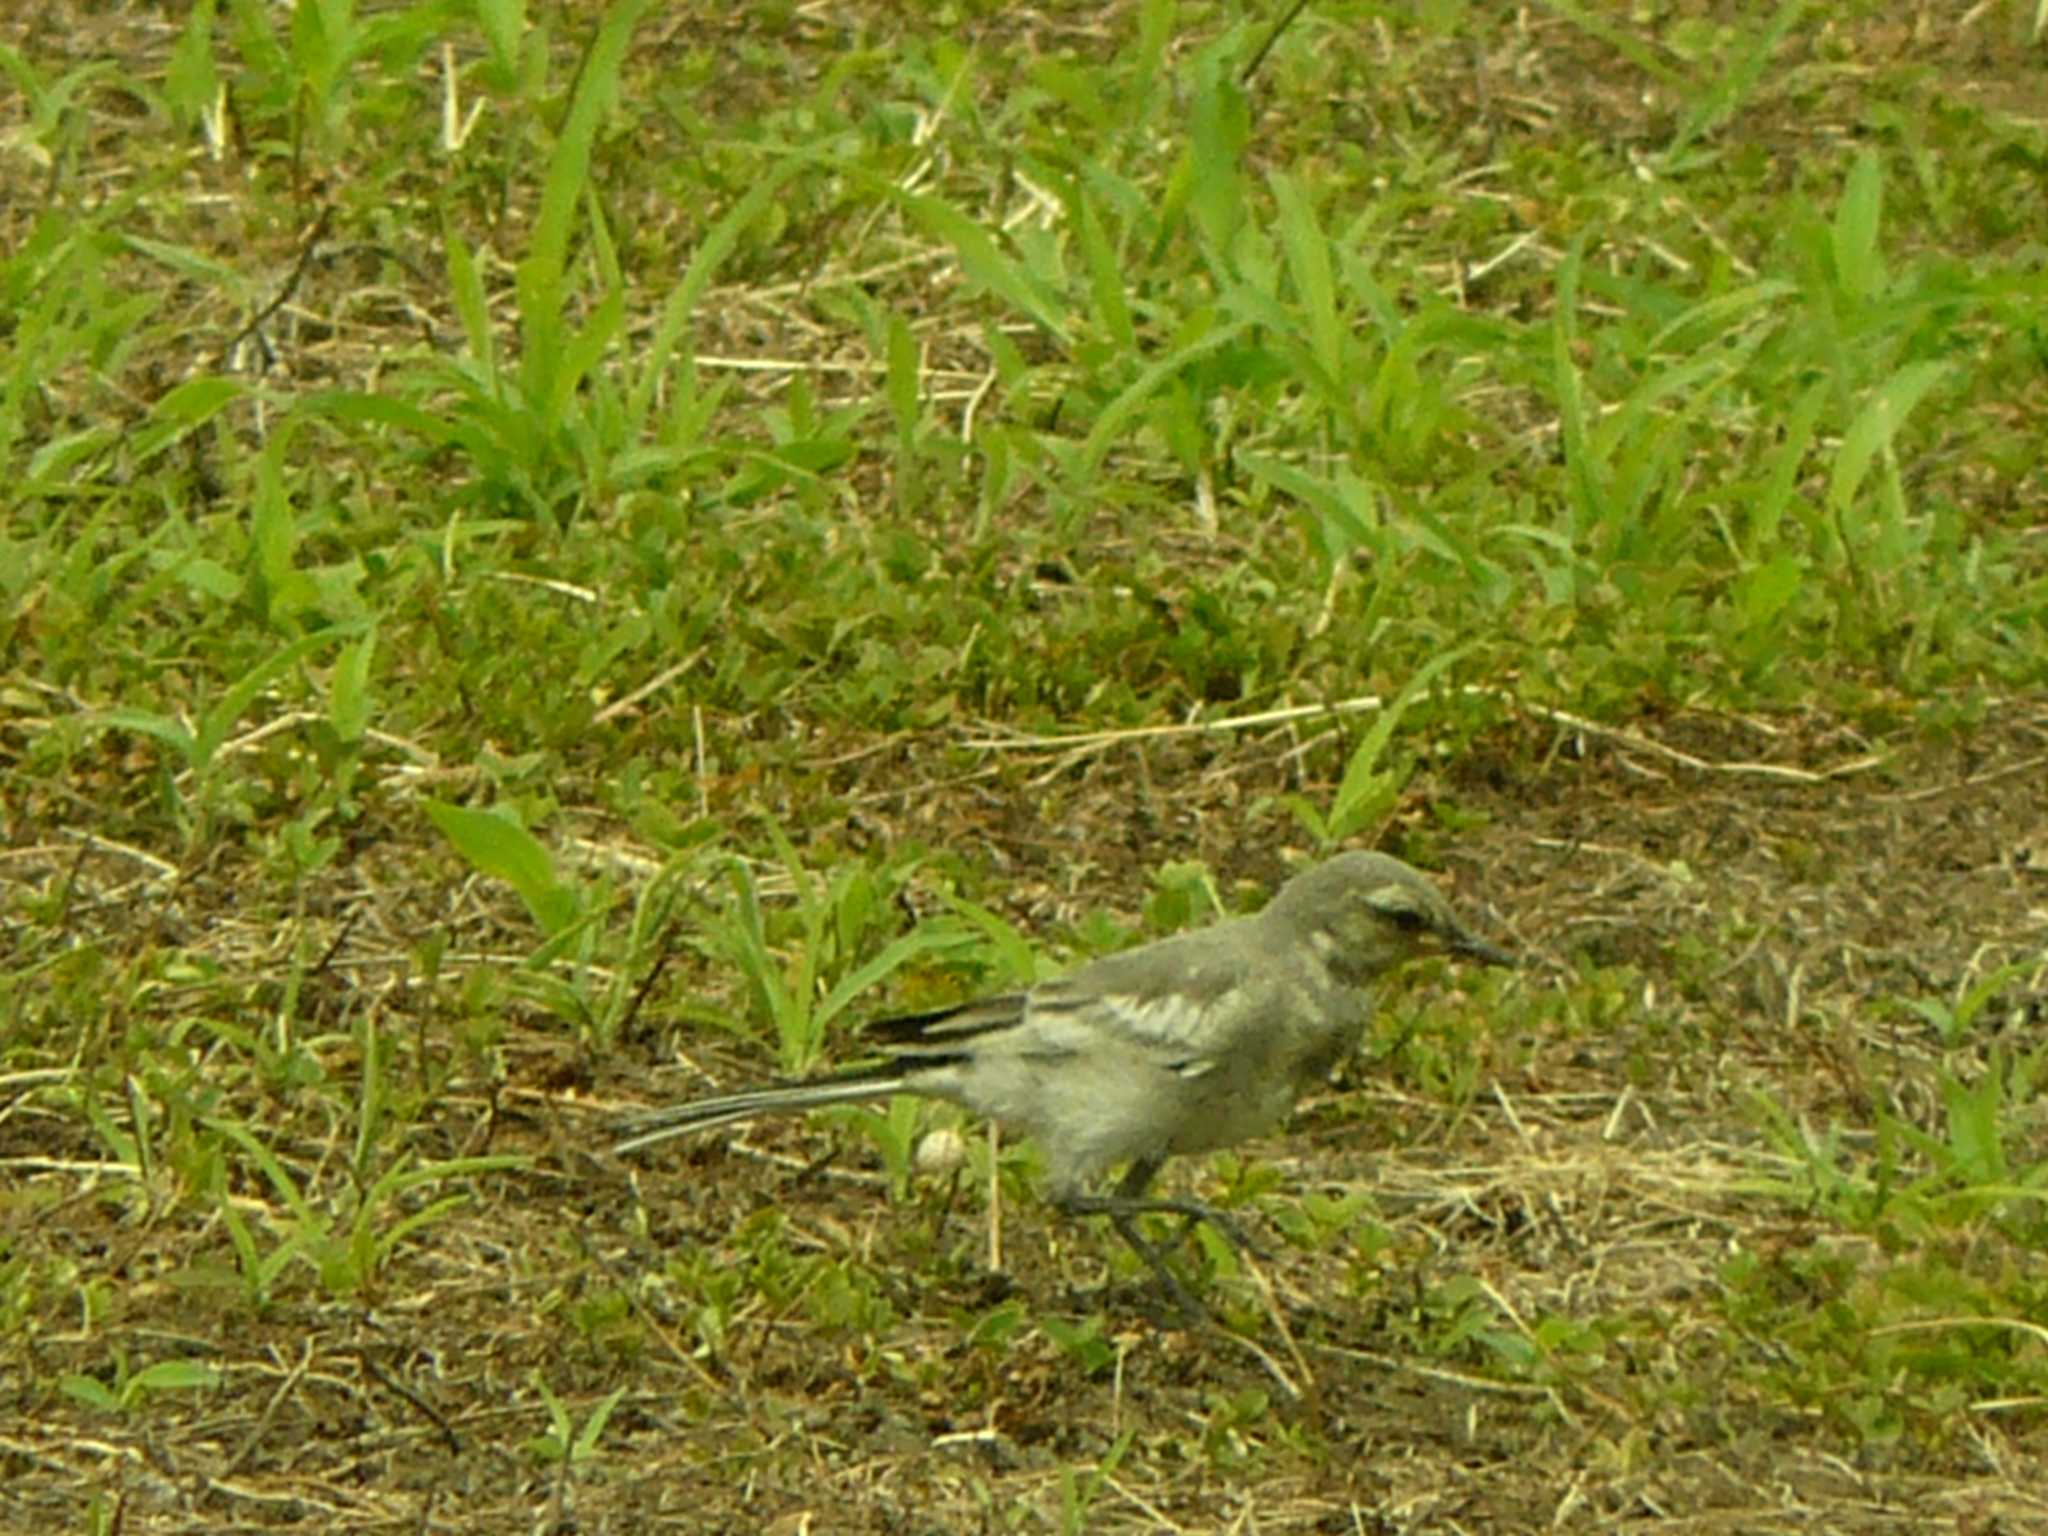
1123	1211
1120	1209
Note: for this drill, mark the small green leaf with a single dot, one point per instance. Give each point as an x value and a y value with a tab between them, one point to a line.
501	848
1365	794
162	728
1106	275
189	405
91	1392
190	82
1873	430
171	1376
222	718
1858	264
985	263
904	383
1308	262
348	703
1763	593
593	1427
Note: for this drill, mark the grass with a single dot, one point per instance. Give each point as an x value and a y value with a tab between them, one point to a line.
554	561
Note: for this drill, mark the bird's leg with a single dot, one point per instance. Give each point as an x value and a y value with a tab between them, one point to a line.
1130	1201
1119	1208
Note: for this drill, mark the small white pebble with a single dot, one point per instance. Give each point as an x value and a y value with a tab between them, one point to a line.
941	1151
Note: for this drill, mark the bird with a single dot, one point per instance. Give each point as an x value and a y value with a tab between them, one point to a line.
1184	1045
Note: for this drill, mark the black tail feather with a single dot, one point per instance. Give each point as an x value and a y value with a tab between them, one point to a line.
944	1028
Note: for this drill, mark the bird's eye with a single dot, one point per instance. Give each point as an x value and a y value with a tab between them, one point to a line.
1408	920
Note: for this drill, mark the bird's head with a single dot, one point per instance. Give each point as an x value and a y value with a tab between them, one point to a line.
1367	912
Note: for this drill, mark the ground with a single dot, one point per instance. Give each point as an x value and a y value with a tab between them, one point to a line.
1589	1184
1723	1210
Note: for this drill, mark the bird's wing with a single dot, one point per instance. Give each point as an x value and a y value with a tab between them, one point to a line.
1179	998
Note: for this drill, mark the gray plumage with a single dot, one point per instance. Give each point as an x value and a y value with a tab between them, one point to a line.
1187	1044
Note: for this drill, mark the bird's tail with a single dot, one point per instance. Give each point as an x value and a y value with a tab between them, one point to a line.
705	1114
921	1044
